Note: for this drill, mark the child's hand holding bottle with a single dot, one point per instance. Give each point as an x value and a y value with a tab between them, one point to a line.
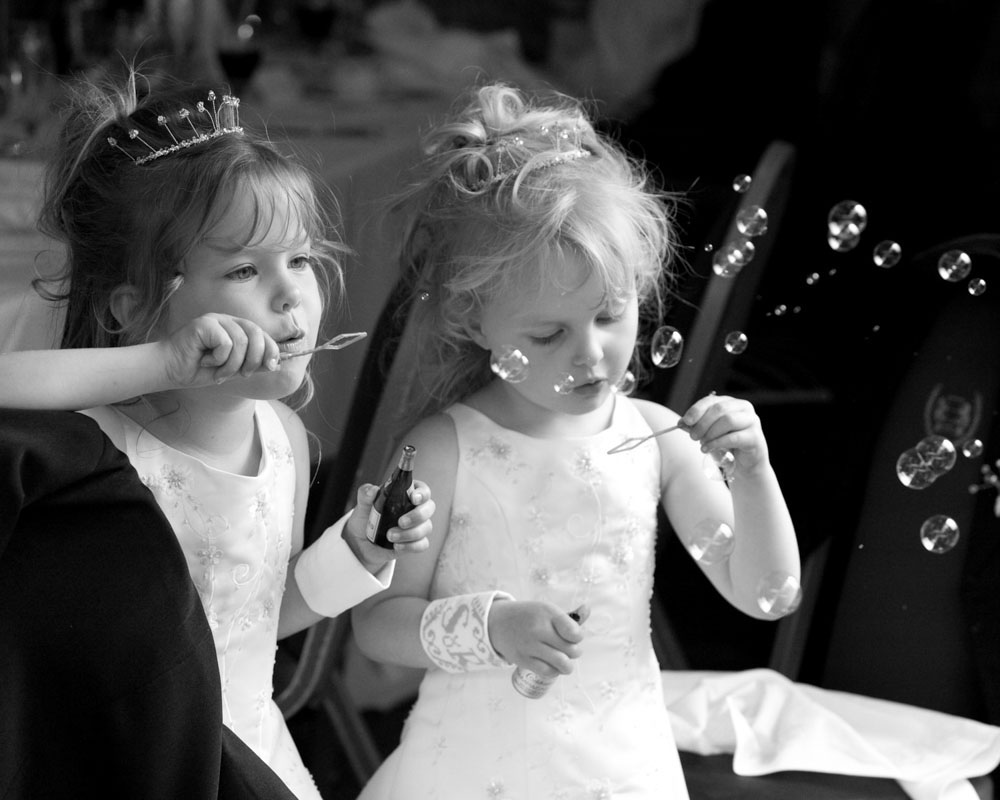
536	635
408	536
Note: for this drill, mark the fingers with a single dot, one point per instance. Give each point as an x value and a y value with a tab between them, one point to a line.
722	423
411	535
234	346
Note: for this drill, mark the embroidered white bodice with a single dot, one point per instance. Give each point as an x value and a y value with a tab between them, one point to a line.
235	531
558	520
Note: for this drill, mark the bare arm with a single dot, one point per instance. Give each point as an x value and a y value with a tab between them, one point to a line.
753	506
387	626
209	349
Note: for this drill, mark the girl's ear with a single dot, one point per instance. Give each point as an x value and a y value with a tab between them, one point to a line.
124	299
474	327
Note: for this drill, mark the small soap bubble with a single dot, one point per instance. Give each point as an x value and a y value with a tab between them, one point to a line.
847	218
510	364
709	247
977	286
921	465
939	533
713	542
423	297
887	254
724	267
972	448
779	594
741	183
626	385
954	265
566	384
666	348
752	221
735	342
780	310
843	243
812	279
719	465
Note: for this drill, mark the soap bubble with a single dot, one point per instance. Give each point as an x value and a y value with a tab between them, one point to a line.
732	257
565	384
972	448
752	221
666	347
977	286
779	594
954	265
741	183
735	342
928	460
626	384
847	218
510	364
887	254
939	533
719	465
713	542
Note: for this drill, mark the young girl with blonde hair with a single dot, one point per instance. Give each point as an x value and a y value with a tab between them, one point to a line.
534	246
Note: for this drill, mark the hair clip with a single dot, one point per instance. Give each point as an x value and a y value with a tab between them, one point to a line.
224	119
565	140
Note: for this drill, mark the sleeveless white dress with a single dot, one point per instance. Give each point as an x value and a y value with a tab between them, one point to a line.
560	520
236	533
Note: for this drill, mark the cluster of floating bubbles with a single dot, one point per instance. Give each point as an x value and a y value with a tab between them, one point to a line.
844	225
666	348
730	259
928	460
779	594
719	465
939	533
713	542
510	364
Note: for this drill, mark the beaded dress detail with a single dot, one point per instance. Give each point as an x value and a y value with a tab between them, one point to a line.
236	533
557	520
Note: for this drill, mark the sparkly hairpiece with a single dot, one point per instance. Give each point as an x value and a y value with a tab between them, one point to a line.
506	163
220	127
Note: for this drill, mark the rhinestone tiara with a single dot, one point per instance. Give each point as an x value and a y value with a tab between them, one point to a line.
215	115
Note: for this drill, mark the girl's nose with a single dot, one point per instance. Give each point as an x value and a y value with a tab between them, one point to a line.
288	295
589	351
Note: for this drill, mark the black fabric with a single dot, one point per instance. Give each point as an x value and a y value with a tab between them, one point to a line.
109	685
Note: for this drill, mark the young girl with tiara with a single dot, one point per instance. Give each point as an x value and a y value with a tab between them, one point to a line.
199	261
533	244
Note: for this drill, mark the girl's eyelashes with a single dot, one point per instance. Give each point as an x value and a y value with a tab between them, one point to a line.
544	340
242	273
301	263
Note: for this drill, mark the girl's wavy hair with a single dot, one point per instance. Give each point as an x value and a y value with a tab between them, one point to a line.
498	202
135	224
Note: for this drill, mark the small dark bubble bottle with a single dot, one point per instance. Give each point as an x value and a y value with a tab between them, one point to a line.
531	684
392	501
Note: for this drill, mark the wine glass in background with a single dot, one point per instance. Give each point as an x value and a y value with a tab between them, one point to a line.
240	55
315	19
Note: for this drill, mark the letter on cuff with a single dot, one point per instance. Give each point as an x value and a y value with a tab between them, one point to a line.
330	577
455	634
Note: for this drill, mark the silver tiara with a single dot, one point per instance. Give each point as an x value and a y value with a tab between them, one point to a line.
506	163
216	116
